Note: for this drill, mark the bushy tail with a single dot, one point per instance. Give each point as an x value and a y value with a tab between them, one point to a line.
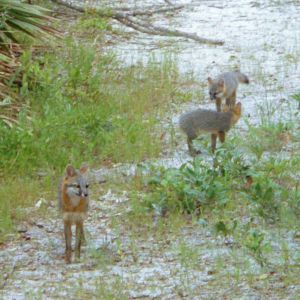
242	77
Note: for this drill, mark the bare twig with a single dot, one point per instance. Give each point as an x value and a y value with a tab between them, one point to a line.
158	30
152	11
122	12
127	22
129	19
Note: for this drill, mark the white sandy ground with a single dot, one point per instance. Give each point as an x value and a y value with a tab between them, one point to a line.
262	39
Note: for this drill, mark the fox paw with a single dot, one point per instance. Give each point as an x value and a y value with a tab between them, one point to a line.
195	153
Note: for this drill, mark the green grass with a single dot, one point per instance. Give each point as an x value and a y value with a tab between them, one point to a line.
215	193
17	193
81	104
200	186
258	220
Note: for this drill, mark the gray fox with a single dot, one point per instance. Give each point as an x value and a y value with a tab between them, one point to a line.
73	203
225	86
202	120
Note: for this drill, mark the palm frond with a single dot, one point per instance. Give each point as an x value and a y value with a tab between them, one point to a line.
17	19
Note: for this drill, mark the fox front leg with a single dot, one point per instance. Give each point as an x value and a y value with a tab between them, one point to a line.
192	150
230	101
213	142
79	238
83	240
218	104
68	238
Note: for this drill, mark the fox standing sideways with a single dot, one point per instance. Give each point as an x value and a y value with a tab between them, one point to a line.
73	203
225	86
216	123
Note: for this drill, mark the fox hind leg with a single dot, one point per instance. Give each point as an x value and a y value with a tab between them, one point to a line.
213	142
221	135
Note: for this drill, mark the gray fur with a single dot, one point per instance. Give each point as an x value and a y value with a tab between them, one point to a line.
203	120
231	82
242	78
233	77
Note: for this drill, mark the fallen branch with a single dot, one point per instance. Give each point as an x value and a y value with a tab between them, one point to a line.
128	18
127	22
153	11
121	12
158	30
169	2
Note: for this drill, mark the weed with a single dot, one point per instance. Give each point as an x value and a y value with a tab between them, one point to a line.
103	257
255	243
270	137
89	103
188	256
266	195
195	185
100	289
82	105
91	23
17	193
226	227
111	291
296	97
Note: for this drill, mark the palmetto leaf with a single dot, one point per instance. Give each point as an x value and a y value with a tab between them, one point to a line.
16	20
16	17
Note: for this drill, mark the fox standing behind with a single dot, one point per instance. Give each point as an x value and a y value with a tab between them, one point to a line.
225	86
202	120
73	203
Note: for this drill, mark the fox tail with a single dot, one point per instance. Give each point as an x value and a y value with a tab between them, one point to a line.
242	77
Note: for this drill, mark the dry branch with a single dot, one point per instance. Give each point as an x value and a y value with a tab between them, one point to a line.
129	19
123	11
158	30
153	10
127	22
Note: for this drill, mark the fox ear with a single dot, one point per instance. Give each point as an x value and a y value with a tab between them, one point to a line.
210	81
70	171
221	82
238	107
83	168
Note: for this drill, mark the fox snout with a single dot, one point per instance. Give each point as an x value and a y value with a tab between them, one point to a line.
84	194
213	96
82	191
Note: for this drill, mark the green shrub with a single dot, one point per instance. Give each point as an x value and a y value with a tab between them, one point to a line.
84	106
196	184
